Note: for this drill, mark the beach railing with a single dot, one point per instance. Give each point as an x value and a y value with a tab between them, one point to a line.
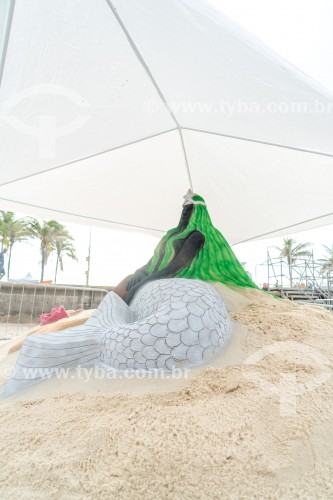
22	303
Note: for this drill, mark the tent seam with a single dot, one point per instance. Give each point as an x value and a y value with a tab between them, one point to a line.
293	148
154	229
283	228
133	226
142	60
152	79
86	157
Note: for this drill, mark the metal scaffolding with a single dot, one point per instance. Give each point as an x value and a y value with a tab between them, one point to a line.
305	273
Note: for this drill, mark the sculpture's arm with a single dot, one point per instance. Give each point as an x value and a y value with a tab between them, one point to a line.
138	276
189	249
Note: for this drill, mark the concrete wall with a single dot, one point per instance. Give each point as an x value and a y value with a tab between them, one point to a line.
25	302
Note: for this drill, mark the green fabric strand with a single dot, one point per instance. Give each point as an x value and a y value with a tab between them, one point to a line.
215	262
197	197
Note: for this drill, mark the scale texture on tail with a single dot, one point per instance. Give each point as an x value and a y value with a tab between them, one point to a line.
171	323
179	322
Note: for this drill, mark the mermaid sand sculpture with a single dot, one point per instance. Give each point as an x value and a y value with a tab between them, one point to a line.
170	316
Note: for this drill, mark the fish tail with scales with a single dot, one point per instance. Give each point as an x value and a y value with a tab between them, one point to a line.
171	323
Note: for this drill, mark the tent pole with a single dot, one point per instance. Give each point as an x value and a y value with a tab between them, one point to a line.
185	156
6	38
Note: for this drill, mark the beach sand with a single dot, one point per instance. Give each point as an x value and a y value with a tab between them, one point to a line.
256	423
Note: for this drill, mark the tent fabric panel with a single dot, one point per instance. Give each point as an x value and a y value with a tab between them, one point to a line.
297	228
141	185
254	190
71	74
74	72
218	78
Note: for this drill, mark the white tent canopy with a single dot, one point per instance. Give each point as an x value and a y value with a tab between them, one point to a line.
111	109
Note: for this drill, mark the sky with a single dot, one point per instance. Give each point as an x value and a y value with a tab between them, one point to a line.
301	32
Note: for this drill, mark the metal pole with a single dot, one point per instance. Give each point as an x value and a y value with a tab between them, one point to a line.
281	271
88	259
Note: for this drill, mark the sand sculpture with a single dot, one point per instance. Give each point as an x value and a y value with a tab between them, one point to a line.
167	315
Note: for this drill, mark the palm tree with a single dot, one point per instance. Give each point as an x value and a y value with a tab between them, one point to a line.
12	230
50	233
327	262
43	232
63	248
292	252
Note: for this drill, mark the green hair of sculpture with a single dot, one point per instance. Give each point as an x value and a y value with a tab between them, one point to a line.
215	261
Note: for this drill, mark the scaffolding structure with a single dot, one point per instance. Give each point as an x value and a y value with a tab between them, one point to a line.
305	273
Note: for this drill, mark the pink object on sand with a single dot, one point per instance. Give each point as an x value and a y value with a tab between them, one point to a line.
54	315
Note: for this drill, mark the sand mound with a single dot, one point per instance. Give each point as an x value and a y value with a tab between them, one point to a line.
256	424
